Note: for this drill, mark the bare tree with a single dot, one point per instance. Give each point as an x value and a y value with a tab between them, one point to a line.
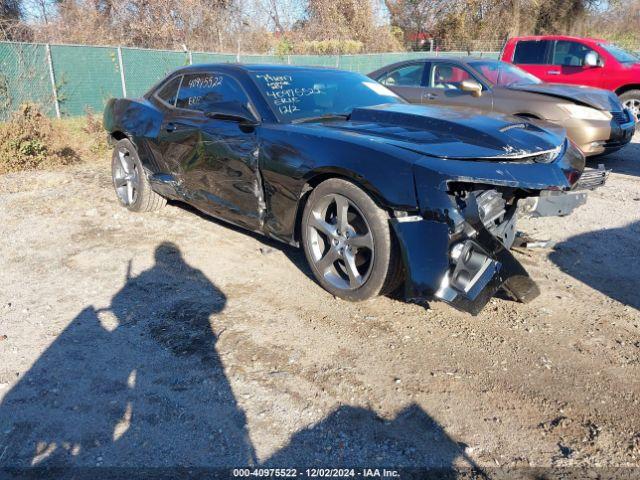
263	25
10	15
415	16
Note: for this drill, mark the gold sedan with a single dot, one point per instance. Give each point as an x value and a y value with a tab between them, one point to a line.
594	119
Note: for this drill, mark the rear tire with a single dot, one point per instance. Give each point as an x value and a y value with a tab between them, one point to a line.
348	242
130	180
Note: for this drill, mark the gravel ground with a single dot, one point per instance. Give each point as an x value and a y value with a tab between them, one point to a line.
170	339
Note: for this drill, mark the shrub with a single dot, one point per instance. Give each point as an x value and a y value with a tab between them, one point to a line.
328	47
28	141
95	133
284	47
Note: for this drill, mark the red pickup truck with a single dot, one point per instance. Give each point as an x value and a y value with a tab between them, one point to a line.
579	61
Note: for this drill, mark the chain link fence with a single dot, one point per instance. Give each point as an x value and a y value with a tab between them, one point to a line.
69	80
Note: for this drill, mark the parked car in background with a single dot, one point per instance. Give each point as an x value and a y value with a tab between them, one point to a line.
579	61
594	119
379	194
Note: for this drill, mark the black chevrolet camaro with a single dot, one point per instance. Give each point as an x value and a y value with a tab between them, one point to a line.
380	194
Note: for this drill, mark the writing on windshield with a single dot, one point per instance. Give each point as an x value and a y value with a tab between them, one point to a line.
312	93
284	96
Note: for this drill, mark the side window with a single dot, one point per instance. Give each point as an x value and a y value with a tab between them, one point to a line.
407	76
204	91
449	77
531	52
169	92
570	54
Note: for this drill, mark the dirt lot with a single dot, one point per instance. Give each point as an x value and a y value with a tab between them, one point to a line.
171	339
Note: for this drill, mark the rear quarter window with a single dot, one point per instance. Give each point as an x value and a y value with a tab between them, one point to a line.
406	76
203	91
531	52
169	91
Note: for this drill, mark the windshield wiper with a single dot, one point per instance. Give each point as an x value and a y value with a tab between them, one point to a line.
327	116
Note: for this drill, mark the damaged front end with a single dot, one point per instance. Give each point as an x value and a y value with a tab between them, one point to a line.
456	248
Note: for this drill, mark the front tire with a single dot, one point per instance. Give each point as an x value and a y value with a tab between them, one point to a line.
631	100
348	242
130	180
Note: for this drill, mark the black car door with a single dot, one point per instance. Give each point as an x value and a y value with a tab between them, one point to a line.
171	143
216	159
406	80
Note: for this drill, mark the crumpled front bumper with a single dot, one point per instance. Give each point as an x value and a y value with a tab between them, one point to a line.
465	273
553	203
448	252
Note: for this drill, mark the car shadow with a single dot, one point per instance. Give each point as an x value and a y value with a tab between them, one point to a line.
606	260
140	385
356	436
294	254
625	161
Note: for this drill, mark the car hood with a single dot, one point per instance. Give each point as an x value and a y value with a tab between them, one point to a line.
449	132
591	97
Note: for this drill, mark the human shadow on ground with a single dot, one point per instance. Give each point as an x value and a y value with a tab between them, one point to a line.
606	260
140	385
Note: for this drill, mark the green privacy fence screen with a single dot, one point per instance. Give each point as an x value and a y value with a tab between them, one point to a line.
69	80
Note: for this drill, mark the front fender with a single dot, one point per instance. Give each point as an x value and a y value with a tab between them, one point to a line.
291	160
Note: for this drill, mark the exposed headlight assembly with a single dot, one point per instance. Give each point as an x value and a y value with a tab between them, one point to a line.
585	113
548	156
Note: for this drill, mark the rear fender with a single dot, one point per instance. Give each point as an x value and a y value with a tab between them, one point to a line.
134	118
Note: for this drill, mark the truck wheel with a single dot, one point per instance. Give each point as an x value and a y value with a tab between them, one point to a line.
130	180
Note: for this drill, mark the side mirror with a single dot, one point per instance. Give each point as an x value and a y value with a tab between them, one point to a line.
389	81
472	87
591	59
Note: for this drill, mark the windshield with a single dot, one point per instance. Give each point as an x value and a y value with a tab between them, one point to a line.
502	74
620	54
298	94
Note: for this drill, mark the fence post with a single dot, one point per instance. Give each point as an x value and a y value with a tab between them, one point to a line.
53	81
124	85
190	58
338	61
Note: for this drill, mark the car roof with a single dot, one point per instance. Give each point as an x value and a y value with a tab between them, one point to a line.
439	58
558	37
249	67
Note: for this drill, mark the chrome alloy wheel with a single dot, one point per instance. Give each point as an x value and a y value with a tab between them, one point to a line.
633	104
341	243
126	178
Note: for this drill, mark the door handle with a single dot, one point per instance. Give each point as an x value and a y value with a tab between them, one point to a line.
170	127
553	72
429	96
